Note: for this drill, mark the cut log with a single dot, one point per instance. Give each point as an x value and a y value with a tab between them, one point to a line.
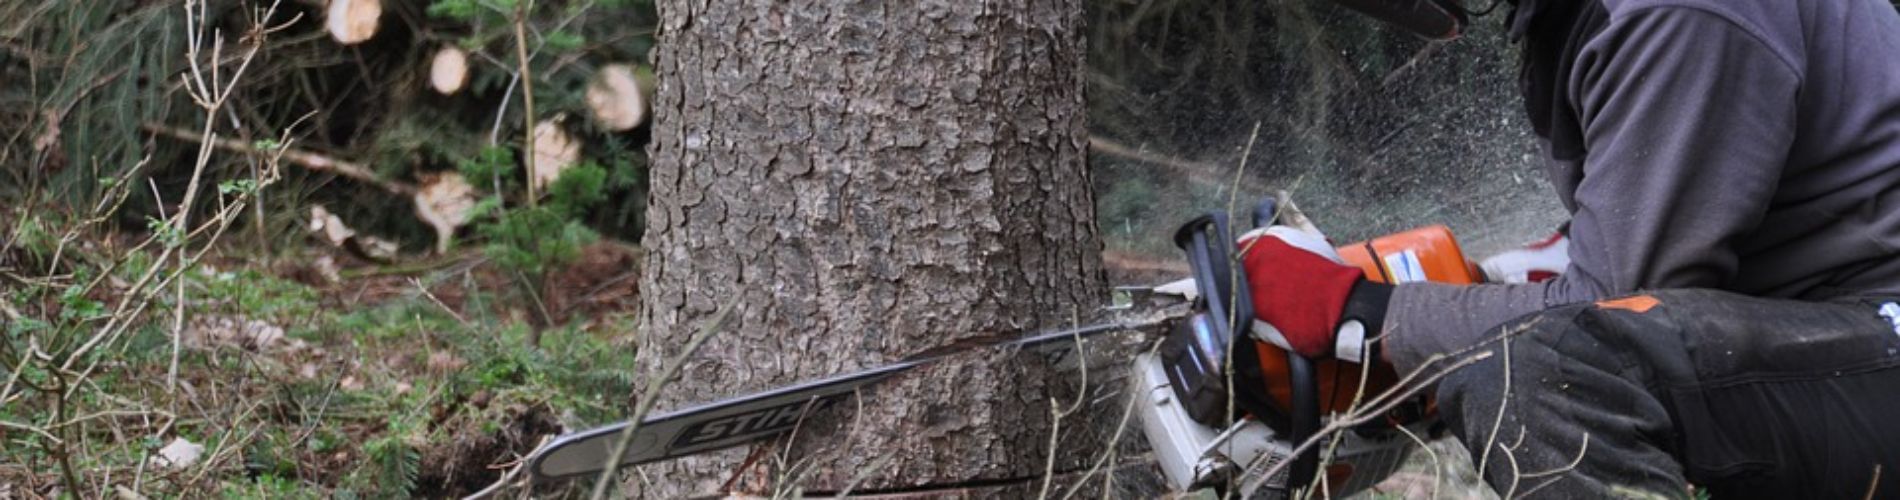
353	21
618	97
332	230
445	202
554	152
448	70
329	227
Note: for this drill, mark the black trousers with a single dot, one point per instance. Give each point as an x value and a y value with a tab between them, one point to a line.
1742	397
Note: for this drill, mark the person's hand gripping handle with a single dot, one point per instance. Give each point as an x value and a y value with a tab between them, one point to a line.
1305	299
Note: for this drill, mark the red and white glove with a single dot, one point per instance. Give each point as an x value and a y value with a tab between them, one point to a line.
1533	263
1305	299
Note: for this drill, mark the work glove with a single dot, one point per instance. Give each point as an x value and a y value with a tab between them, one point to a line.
1533	263
1306	300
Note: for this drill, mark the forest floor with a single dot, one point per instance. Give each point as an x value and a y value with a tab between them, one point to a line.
316	374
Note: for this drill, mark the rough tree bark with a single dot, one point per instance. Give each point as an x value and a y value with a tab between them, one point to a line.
871	179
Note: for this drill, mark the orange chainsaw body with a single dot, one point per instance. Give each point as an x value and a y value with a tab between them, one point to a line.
1428	253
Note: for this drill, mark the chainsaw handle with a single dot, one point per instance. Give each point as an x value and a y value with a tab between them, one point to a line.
1264	210
1303	373
1206	239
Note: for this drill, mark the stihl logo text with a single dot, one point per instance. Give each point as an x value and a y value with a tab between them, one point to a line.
765	420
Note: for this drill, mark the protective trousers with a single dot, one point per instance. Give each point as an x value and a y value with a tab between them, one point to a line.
1742	397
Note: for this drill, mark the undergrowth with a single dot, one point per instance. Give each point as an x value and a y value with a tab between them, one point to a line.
354	402
170	331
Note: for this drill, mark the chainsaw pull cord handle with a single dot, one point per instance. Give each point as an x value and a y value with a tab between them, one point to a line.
1304	380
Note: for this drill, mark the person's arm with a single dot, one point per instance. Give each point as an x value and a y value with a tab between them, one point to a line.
1688	120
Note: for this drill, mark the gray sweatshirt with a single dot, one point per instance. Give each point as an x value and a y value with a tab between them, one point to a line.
1744	145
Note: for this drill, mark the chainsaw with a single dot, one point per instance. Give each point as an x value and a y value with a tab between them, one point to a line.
1220	405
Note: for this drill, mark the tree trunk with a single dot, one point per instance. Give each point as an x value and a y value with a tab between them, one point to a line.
870	180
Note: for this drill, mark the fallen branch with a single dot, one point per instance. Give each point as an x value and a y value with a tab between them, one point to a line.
302	158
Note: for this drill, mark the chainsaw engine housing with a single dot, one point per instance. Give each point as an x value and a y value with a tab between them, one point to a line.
1200	351
1193	455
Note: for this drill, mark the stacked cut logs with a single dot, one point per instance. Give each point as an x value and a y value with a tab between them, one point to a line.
617	97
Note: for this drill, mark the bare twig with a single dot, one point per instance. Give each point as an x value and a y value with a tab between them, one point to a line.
533	289
670	370
61	451
1510	458
791	475
1438	468
1873	485
850	441
178	335
1233	319
9	312
1504	401
438	303
211	85
507	478
794	476
211	95
494	133
224	446
527	94
1581	450
13	375
1332	449
305	159
1057	413
1408	386
1246	154
36	430
1128	412
864	472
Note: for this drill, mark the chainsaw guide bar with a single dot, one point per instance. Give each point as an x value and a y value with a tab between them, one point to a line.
762	415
